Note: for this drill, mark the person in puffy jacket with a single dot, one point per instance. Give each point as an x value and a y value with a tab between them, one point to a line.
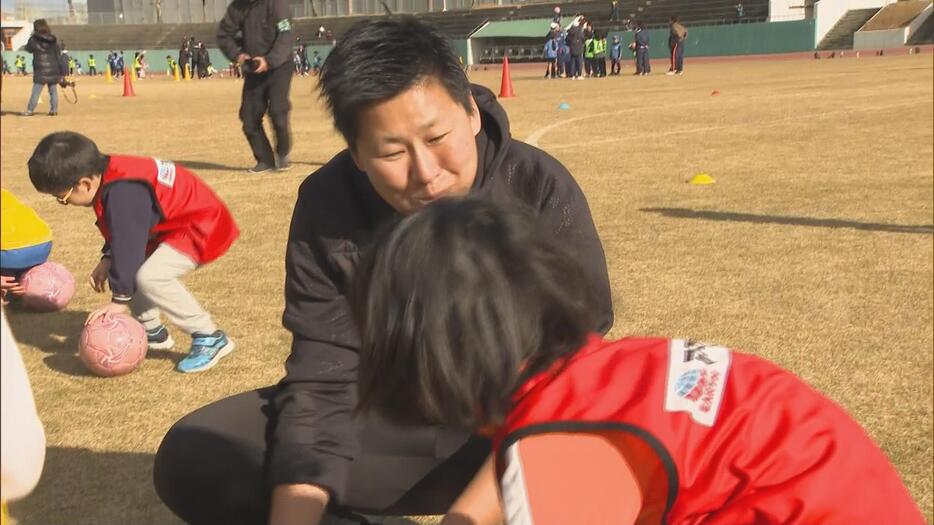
46	66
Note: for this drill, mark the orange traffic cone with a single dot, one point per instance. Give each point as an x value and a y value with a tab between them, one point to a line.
505	88
128	86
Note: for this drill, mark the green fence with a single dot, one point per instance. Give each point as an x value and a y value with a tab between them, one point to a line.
735	39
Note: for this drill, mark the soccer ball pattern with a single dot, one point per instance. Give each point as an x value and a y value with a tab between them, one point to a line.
49	286
113	345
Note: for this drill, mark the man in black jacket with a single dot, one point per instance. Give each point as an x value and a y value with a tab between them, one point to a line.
417	131
257	35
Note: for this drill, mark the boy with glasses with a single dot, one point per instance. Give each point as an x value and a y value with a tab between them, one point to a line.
159	222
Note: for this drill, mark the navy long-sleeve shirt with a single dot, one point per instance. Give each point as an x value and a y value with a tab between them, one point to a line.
130	211
642	38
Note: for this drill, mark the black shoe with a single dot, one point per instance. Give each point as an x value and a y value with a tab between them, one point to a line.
283	163
53	113
261	167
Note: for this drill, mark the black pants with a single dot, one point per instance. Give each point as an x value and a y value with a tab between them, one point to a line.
551	68
614	66
576	64
210	466
262	92
92	70
677	56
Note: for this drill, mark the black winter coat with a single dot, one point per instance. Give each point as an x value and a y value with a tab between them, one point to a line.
46	59
336	216
575	40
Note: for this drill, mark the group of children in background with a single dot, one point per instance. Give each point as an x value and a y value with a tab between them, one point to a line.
303	64
558	51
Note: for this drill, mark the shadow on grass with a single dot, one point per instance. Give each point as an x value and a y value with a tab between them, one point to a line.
205	165
81	486
57	334
685	213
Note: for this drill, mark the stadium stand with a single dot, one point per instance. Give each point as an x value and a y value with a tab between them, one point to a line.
841	34
924	35
454	24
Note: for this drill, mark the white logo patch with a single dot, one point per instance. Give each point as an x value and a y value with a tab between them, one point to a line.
697	376
515	493
166	175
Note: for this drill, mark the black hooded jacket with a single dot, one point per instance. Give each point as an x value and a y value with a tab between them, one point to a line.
337	215
46	59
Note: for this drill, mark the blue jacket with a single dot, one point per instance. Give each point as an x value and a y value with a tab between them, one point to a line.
616	51
551	49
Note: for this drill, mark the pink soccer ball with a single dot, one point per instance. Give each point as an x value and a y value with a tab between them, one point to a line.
49	286
113	345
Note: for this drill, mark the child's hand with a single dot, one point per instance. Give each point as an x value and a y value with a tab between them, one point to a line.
106	311
8	283
100	274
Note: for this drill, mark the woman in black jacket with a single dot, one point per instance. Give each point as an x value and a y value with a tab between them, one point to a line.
46	65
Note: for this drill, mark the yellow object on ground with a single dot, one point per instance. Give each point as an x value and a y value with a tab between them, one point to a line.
20	225
701	178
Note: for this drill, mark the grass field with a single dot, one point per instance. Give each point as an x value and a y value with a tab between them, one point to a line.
815	248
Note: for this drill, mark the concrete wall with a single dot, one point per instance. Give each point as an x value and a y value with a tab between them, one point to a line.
921	19
828	12
889	38
882	39
786	10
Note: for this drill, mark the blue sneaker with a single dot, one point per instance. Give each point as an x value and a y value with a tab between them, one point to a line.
206	351
159	338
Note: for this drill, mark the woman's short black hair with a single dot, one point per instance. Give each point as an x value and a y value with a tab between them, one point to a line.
61	159
458	305
377	59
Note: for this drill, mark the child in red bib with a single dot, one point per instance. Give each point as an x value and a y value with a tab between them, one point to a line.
159	222
468	316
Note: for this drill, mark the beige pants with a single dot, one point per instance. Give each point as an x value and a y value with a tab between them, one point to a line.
158	288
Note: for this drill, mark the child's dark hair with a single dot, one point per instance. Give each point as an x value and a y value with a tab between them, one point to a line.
458	305
377	59
61	159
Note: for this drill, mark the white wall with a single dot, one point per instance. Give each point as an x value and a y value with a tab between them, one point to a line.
22	36
828	12
785	10
881	39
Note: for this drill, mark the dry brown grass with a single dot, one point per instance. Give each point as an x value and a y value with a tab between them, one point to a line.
813	249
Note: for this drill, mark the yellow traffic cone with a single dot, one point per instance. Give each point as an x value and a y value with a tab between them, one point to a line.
175	73
108	75
188	71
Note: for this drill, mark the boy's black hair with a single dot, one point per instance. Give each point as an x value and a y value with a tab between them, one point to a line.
61	159
457	306
377	59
